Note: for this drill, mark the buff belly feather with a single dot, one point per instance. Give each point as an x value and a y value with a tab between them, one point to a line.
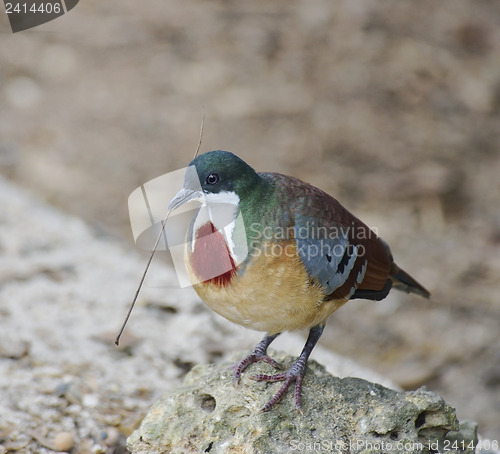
283	298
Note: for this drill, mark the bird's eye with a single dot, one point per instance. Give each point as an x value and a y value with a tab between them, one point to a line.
212	178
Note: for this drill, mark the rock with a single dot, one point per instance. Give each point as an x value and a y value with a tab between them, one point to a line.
111	436
64	441
13	348
208	414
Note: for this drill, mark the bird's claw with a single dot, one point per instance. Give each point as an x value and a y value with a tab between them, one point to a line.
290	376
240	366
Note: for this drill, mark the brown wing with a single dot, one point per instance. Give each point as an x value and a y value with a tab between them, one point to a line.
368	273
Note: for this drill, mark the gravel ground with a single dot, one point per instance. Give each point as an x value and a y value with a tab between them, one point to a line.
391	106
63	291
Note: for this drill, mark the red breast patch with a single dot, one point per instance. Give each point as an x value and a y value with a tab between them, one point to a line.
211	260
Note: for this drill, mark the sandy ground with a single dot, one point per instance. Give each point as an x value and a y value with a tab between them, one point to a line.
393	107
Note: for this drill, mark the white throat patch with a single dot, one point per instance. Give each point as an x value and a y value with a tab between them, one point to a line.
228	197
222	210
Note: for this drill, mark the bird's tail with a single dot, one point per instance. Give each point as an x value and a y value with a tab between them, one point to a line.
403	281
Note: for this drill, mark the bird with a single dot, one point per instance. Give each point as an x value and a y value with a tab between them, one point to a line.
275	254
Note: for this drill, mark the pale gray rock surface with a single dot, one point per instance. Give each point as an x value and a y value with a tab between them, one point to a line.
208	414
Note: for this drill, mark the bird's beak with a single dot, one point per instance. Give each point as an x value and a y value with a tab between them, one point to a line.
183	196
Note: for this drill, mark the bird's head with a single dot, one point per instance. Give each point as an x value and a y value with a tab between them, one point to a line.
216	177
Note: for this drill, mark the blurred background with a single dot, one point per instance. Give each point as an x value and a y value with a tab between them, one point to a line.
392	107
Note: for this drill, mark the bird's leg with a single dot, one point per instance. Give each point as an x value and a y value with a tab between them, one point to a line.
296	371
259	353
